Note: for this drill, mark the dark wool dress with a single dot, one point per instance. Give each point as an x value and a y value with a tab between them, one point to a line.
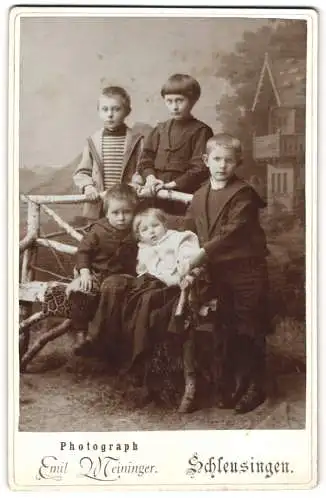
173	152
226	222
133	314
105	251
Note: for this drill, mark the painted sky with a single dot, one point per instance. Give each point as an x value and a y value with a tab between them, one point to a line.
65	62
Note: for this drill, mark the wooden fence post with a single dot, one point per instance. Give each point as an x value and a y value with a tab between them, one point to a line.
27	273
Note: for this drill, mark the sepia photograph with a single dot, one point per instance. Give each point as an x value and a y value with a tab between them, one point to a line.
163	219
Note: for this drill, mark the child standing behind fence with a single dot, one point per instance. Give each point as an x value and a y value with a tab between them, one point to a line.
172	155
111	153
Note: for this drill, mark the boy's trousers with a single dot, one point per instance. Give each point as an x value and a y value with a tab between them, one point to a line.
243	319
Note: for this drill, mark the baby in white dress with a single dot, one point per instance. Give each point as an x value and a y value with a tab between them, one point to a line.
163	253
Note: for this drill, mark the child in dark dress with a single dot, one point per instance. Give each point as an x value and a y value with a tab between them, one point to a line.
109	247
172	154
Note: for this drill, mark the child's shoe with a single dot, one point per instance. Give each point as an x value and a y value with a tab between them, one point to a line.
85	348
253	397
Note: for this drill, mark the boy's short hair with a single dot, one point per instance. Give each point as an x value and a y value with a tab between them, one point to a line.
228	141
185	85
120	192
118	91
157	212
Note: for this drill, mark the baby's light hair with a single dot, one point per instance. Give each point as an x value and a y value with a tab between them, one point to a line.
120	192
140	216
228	141
181	84
114	91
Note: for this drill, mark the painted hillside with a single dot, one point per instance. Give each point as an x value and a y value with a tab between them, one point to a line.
48	180
30	178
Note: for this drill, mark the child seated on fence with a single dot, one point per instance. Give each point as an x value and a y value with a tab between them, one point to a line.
165	254
150	302
111	154
109	246
126	302
172	154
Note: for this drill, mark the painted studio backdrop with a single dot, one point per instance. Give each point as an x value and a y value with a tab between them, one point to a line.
252	74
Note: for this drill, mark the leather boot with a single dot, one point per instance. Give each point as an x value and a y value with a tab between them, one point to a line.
241	385
225	402
225	391
253	397
254	367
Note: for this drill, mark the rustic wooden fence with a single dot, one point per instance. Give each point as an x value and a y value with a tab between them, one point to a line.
32	291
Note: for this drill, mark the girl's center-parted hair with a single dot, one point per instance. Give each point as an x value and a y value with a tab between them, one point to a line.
228	141
114	91
121	192
182	84
144	214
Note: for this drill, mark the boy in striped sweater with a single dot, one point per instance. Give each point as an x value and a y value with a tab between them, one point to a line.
111	154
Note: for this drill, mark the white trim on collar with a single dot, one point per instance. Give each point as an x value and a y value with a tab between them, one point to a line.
217	185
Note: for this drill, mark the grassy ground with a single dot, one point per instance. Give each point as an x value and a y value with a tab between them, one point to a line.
64	393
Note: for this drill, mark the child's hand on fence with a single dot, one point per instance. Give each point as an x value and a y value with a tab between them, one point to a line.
196	271
154	184
187	281
71	287
74	285
143	191
169	185
137	180
86	281
91	192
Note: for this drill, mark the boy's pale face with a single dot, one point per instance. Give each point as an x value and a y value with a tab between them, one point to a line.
151	230
179	106
119	214
111	111
221	162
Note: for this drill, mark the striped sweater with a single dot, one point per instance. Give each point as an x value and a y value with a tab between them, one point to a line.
113	147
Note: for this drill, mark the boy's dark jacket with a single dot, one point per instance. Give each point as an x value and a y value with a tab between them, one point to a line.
235	231
173	152
105	250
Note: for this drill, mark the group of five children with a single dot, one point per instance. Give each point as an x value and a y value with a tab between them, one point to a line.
221	232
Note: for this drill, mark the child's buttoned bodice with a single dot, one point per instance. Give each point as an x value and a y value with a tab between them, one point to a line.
168	258
173	152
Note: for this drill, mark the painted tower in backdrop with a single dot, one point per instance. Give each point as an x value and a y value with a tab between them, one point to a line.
278	119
